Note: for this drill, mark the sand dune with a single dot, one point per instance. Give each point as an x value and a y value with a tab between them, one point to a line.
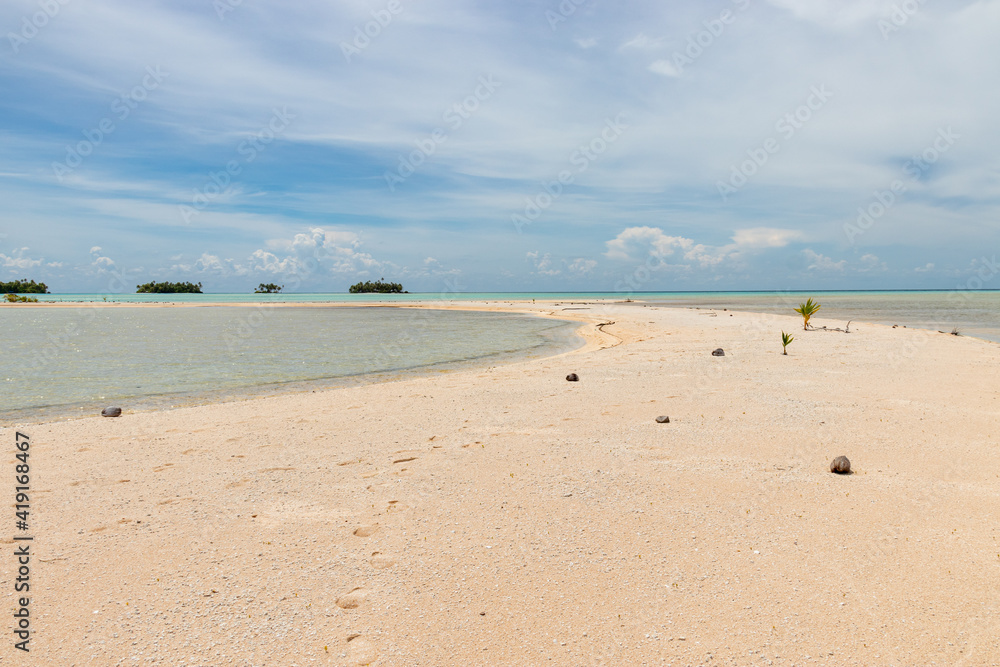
504	516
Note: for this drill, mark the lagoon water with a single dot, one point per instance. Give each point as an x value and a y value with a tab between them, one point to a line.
72	360
65	361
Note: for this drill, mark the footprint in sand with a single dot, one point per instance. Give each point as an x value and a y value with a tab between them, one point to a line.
361	651
352	600
365	531
382	562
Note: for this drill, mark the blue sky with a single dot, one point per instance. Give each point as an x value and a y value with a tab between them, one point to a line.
524	145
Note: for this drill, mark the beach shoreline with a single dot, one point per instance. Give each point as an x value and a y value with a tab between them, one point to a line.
503	515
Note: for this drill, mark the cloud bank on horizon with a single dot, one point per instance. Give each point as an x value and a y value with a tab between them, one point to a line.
529	145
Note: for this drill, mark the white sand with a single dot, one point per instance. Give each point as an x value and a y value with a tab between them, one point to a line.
504	516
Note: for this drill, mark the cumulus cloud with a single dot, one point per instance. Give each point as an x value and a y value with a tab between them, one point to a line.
929	266
101	262
543	263
17	260
870	262
765	237
818	262
336	251
638	243
582	266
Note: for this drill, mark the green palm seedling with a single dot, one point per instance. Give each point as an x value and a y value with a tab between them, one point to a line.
785	340
807	310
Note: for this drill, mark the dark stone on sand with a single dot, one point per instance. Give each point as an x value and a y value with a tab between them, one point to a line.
718	352
572	377
841	465
663	419
111	412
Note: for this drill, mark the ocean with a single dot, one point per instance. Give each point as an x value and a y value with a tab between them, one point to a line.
60	362
72	361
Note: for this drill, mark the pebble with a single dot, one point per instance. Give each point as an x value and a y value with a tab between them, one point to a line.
572	377
111	412
663	419
841	465
718	352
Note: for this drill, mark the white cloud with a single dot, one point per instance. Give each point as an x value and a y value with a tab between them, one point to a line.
820	262
543	263
870	262
929	266
638	243
582	266
765	237
17	260
664	68
587	43
337	250
640	41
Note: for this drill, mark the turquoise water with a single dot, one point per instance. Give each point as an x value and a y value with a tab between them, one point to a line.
66	361
974	313
72	360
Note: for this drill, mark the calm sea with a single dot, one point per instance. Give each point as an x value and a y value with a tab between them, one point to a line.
67	361
974	313
73	360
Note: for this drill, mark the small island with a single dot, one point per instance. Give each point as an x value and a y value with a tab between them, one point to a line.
268	288
168	288
24	287
377	286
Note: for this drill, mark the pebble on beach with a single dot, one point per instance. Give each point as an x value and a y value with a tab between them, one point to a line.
841	465
572	377
718	352
663	419
111	412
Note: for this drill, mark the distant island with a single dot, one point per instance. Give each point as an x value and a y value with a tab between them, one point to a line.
377	286
268	288
24	287
168	288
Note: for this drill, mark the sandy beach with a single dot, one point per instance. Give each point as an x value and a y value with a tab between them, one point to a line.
505	516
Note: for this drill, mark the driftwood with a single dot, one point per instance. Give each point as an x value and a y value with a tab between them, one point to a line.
846	329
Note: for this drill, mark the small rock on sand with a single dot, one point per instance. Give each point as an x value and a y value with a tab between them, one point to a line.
111	412
663	419
572	377
718	352
841	465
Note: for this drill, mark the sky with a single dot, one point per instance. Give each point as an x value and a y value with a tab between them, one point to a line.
522	145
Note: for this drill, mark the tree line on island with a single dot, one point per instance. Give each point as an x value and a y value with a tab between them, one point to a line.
31	287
